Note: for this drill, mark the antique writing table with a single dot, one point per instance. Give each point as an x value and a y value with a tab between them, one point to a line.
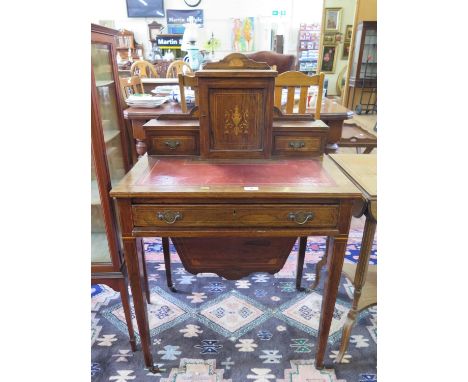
362	171
234	190
261	206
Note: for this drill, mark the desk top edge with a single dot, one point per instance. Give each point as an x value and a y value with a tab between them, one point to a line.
129	186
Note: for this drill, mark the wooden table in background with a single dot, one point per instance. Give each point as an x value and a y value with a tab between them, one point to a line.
150	83
355	136
138	116
332	113
362	171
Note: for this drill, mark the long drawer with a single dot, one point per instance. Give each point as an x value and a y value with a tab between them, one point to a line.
233	215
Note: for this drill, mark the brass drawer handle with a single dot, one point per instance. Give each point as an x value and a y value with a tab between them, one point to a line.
172	144
296	144
300	217
170	217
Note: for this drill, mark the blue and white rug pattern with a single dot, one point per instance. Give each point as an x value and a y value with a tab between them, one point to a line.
258	328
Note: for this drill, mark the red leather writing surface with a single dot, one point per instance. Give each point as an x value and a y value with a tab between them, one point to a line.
173	172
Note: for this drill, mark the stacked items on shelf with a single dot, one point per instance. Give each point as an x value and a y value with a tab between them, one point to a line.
126	47
145	100
125	42
308	47
173	92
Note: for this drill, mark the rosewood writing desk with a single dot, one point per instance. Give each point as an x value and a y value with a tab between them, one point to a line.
234	190
260	204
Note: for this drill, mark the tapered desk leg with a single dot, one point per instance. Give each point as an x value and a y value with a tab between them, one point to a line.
336	252
359	281
134	263
145	273
300	261
167	263
320	264
126	308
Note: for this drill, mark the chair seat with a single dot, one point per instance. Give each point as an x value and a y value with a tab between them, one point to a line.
369	292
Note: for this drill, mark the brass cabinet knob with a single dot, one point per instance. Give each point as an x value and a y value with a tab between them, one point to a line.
296	144
170	217
172	144
300	217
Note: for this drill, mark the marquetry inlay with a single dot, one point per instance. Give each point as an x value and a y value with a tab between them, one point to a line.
236	121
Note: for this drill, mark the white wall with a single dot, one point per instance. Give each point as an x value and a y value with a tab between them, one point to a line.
217	19
347	18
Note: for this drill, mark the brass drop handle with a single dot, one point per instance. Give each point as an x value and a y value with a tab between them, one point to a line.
170	217
172	144
296	144
300	217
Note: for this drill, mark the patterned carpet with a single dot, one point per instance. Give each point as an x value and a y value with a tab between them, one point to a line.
257	329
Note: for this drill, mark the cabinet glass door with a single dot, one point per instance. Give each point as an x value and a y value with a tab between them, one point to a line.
356	52
99	246
108	107
106	89
369	55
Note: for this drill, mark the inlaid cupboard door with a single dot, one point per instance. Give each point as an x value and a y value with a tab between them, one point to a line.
236	116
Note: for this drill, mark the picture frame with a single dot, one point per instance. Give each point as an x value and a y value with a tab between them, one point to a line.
328	39
328	58
345	52
348	32
332	19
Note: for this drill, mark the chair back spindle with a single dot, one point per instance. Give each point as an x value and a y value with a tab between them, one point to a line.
177	67
292	80
187	81
130	85
143	69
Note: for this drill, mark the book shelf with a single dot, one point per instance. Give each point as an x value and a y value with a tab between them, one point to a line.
125	42
308	48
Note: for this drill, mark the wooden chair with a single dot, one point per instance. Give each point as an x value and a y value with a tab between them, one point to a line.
131	85
177	67
291	80
143	69
187	81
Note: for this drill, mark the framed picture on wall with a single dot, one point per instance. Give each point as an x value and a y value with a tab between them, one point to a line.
332	19
348	33
328	39
345	52
243	32
328	59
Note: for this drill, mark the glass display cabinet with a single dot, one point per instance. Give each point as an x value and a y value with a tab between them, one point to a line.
109	162
363	77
